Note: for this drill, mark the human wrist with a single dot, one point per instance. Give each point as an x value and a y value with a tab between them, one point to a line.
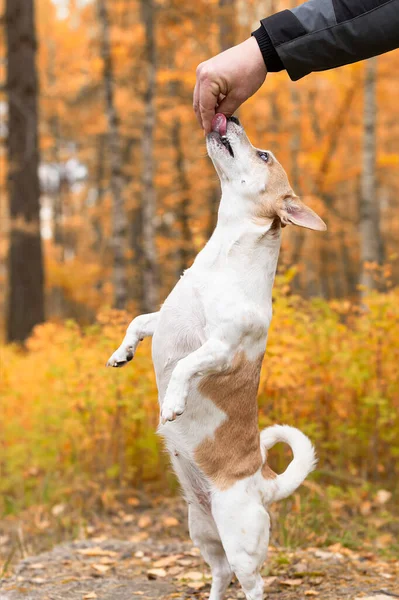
268	52
256	58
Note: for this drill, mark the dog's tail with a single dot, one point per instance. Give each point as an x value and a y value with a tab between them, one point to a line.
304	461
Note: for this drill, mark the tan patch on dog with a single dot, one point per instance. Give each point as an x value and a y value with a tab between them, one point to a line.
234	451
278	188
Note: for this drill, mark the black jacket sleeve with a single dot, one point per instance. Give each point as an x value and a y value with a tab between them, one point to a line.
324	34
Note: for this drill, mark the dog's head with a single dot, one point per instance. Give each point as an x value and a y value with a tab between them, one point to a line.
256	177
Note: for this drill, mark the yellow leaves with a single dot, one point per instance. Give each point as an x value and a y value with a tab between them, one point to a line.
329	369
166	76
388	160
291	582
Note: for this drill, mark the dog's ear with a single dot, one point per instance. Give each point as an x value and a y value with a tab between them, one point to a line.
291	209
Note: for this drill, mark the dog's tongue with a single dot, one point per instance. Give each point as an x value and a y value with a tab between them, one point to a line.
219	124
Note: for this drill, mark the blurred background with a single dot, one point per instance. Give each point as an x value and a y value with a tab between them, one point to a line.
106	196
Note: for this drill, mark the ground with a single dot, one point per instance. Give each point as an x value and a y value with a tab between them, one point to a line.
146	554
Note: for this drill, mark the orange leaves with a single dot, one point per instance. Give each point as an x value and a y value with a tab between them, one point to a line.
330	368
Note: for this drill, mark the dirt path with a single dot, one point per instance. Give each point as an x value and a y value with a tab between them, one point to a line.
150	557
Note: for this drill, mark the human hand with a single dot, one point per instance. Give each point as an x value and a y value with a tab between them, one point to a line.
227	80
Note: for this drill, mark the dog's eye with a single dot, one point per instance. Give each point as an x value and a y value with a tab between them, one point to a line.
264	156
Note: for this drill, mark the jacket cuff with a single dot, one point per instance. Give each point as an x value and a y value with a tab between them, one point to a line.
269	53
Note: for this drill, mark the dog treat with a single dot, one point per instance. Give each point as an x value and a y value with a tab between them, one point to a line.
219	124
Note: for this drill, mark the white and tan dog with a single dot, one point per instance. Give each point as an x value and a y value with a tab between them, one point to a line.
209	339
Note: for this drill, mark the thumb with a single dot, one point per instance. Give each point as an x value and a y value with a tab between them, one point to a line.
229	105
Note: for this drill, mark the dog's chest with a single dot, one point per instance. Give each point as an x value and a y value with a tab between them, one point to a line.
233	451
180	332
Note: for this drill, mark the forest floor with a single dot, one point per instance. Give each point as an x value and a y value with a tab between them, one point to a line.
146	554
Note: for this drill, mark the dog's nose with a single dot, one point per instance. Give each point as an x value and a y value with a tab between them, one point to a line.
234	120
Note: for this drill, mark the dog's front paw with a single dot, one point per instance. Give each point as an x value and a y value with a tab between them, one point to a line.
169	411
173	404
121	357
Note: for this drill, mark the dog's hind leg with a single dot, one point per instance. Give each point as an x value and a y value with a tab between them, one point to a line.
141	327
204	534
243	525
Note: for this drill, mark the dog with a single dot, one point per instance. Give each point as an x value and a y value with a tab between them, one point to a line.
209	339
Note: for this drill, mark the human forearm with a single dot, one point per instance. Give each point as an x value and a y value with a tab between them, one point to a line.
323	34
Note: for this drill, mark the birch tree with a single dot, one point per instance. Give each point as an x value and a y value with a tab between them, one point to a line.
119	218
150	267
371	244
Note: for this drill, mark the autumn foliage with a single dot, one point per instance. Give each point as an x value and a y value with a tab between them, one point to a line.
71	428
74	432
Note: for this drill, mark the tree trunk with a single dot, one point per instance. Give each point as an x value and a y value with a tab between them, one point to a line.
371	249
119	220
26	273
227	35
150	267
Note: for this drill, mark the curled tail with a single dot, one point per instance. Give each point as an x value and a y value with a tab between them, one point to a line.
303	463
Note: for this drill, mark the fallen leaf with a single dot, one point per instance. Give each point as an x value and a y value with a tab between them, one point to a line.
107	560
144	522
269	580
175	571
291	582
170	522
192	575
38	580
311	593
101	568
154	573
90	596
128	519
185	562
196	585
139	537
167	561
133	502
